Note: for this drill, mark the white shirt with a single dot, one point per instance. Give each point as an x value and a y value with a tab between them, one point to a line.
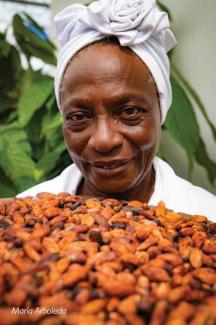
177	193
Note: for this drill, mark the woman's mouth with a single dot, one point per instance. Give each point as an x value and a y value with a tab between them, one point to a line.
109	168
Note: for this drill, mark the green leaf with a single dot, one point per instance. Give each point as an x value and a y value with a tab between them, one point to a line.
33	98
51	122
5	47
15	156
181	122
51	102
191	91
29	19
11	72
63	162
7	188
160	152
30	43
204	160
33	130
52	129
29	77
190	164
5	104
49	160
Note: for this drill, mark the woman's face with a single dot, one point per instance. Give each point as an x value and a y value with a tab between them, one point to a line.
111	118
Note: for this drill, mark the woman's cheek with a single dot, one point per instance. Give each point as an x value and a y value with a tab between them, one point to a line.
143	137
75	141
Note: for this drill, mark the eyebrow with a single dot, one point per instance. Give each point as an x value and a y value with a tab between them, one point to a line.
119	100
77	102
122	100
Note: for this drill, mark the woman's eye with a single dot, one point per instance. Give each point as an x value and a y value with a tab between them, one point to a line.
131	113
78	121
78	117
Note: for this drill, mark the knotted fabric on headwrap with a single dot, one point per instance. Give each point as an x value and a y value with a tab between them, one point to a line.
138	24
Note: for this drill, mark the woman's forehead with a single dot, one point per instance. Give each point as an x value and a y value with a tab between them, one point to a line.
105	61
107	74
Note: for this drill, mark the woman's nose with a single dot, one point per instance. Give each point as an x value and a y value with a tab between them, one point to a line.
105	135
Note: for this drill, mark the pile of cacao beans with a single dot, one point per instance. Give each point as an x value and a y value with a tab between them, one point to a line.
67	259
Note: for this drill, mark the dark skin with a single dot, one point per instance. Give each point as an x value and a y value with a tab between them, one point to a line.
111	122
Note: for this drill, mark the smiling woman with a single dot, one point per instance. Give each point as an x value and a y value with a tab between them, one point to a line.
112	87
111	121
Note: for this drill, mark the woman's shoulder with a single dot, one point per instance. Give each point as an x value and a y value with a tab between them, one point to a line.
67	181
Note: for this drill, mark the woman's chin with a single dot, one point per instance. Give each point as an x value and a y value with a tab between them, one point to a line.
111	187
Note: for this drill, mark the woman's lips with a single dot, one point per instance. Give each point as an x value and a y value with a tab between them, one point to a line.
110	168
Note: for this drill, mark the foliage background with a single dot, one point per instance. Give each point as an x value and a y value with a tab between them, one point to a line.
31	143
194	24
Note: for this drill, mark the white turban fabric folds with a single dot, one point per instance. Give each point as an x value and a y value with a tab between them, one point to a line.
138	24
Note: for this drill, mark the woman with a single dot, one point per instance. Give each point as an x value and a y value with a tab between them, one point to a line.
112	87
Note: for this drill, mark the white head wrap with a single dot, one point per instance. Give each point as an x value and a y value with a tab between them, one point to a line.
138	24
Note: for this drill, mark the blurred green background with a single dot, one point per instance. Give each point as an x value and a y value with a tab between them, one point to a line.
32	148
